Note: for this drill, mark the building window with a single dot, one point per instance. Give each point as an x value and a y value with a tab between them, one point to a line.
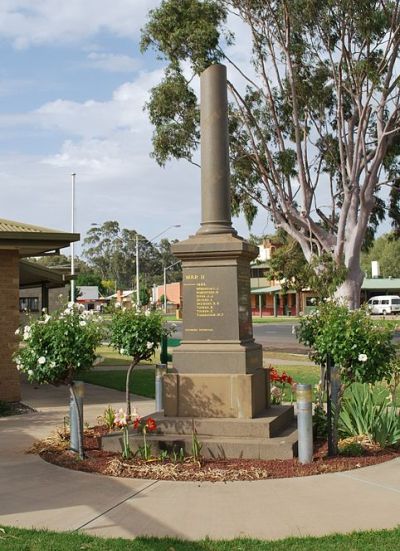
29	304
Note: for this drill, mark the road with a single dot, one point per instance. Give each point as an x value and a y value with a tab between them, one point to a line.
272	336
277	336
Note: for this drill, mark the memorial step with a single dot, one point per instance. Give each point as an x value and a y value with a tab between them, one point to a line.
268	424
271	435
282	447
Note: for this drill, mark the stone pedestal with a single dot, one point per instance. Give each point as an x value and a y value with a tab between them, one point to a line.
218	366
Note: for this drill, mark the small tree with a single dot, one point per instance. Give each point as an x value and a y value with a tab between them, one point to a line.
57	348
360	349
136	334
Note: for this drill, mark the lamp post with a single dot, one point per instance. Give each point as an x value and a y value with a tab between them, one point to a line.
165	283
137	259
72	231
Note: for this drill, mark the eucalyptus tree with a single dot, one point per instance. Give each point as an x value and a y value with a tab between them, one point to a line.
314	114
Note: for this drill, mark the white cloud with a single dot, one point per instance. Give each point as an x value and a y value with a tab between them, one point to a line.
33	22
113	63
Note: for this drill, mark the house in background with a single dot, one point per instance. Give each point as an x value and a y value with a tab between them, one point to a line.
173	292
90	298
267	296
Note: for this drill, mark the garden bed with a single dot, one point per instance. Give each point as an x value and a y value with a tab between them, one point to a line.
56	451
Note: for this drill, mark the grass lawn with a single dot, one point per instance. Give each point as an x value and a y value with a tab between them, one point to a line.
17	539
113	357
273	354
142	381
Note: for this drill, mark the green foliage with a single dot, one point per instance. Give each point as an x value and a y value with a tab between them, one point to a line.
386	250
185	29
365	412
137	334
90	278
109	417
320	421
351	449
293	123
361	349
57	348
144	296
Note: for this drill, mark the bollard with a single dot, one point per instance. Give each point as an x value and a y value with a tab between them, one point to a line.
304	422
161	369
79	387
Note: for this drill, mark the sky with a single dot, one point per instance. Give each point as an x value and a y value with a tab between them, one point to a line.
73	85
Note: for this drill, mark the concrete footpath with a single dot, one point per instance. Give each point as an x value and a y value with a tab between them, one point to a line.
36	494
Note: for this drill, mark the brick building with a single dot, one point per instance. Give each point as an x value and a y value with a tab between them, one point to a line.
17	241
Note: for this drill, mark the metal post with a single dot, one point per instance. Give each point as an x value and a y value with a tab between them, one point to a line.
304	422
79	387
137	272
161	369
331	447
73	231
260	305
164	350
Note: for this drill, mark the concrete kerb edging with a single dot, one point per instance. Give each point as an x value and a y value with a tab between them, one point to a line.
35	493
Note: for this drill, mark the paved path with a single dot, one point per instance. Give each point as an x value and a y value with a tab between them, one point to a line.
37	494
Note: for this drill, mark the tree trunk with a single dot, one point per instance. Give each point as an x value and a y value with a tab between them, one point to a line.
127	393
350	290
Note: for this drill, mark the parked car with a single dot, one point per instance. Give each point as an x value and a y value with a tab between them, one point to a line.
386	304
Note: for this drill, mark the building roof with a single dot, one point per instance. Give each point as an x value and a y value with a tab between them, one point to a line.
380	284
88	292
34	275
32	240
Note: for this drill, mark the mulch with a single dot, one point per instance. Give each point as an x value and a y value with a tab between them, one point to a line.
56	451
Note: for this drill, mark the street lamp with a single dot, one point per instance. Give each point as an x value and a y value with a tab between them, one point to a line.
165	283
72	231
137	258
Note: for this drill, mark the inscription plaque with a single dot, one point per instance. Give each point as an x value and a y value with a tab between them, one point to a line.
212	299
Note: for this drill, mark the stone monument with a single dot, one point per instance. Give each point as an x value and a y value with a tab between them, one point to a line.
218	389
218	366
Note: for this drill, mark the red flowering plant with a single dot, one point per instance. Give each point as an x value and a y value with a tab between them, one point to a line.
144	426
281	383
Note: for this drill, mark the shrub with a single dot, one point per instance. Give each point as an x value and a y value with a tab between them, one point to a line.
136	334
365	412
351	449
360	350
56	348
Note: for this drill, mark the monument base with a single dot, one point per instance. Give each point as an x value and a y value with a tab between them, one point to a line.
271	435
215	394
218	357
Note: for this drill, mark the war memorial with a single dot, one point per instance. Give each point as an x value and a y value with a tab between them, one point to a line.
219	389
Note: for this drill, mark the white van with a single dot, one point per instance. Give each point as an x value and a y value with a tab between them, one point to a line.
386	304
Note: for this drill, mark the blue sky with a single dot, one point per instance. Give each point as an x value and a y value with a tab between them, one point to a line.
72	88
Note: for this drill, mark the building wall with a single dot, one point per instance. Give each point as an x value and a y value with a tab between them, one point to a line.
174	292
9	321
58	297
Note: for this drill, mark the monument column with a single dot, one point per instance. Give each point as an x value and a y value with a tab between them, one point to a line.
218	367
215	187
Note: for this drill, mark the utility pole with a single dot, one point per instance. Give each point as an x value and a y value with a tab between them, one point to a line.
73	231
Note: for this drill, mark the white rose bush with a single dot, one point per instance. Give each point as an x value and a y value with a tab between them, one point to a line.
136	334
55	349
361	350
